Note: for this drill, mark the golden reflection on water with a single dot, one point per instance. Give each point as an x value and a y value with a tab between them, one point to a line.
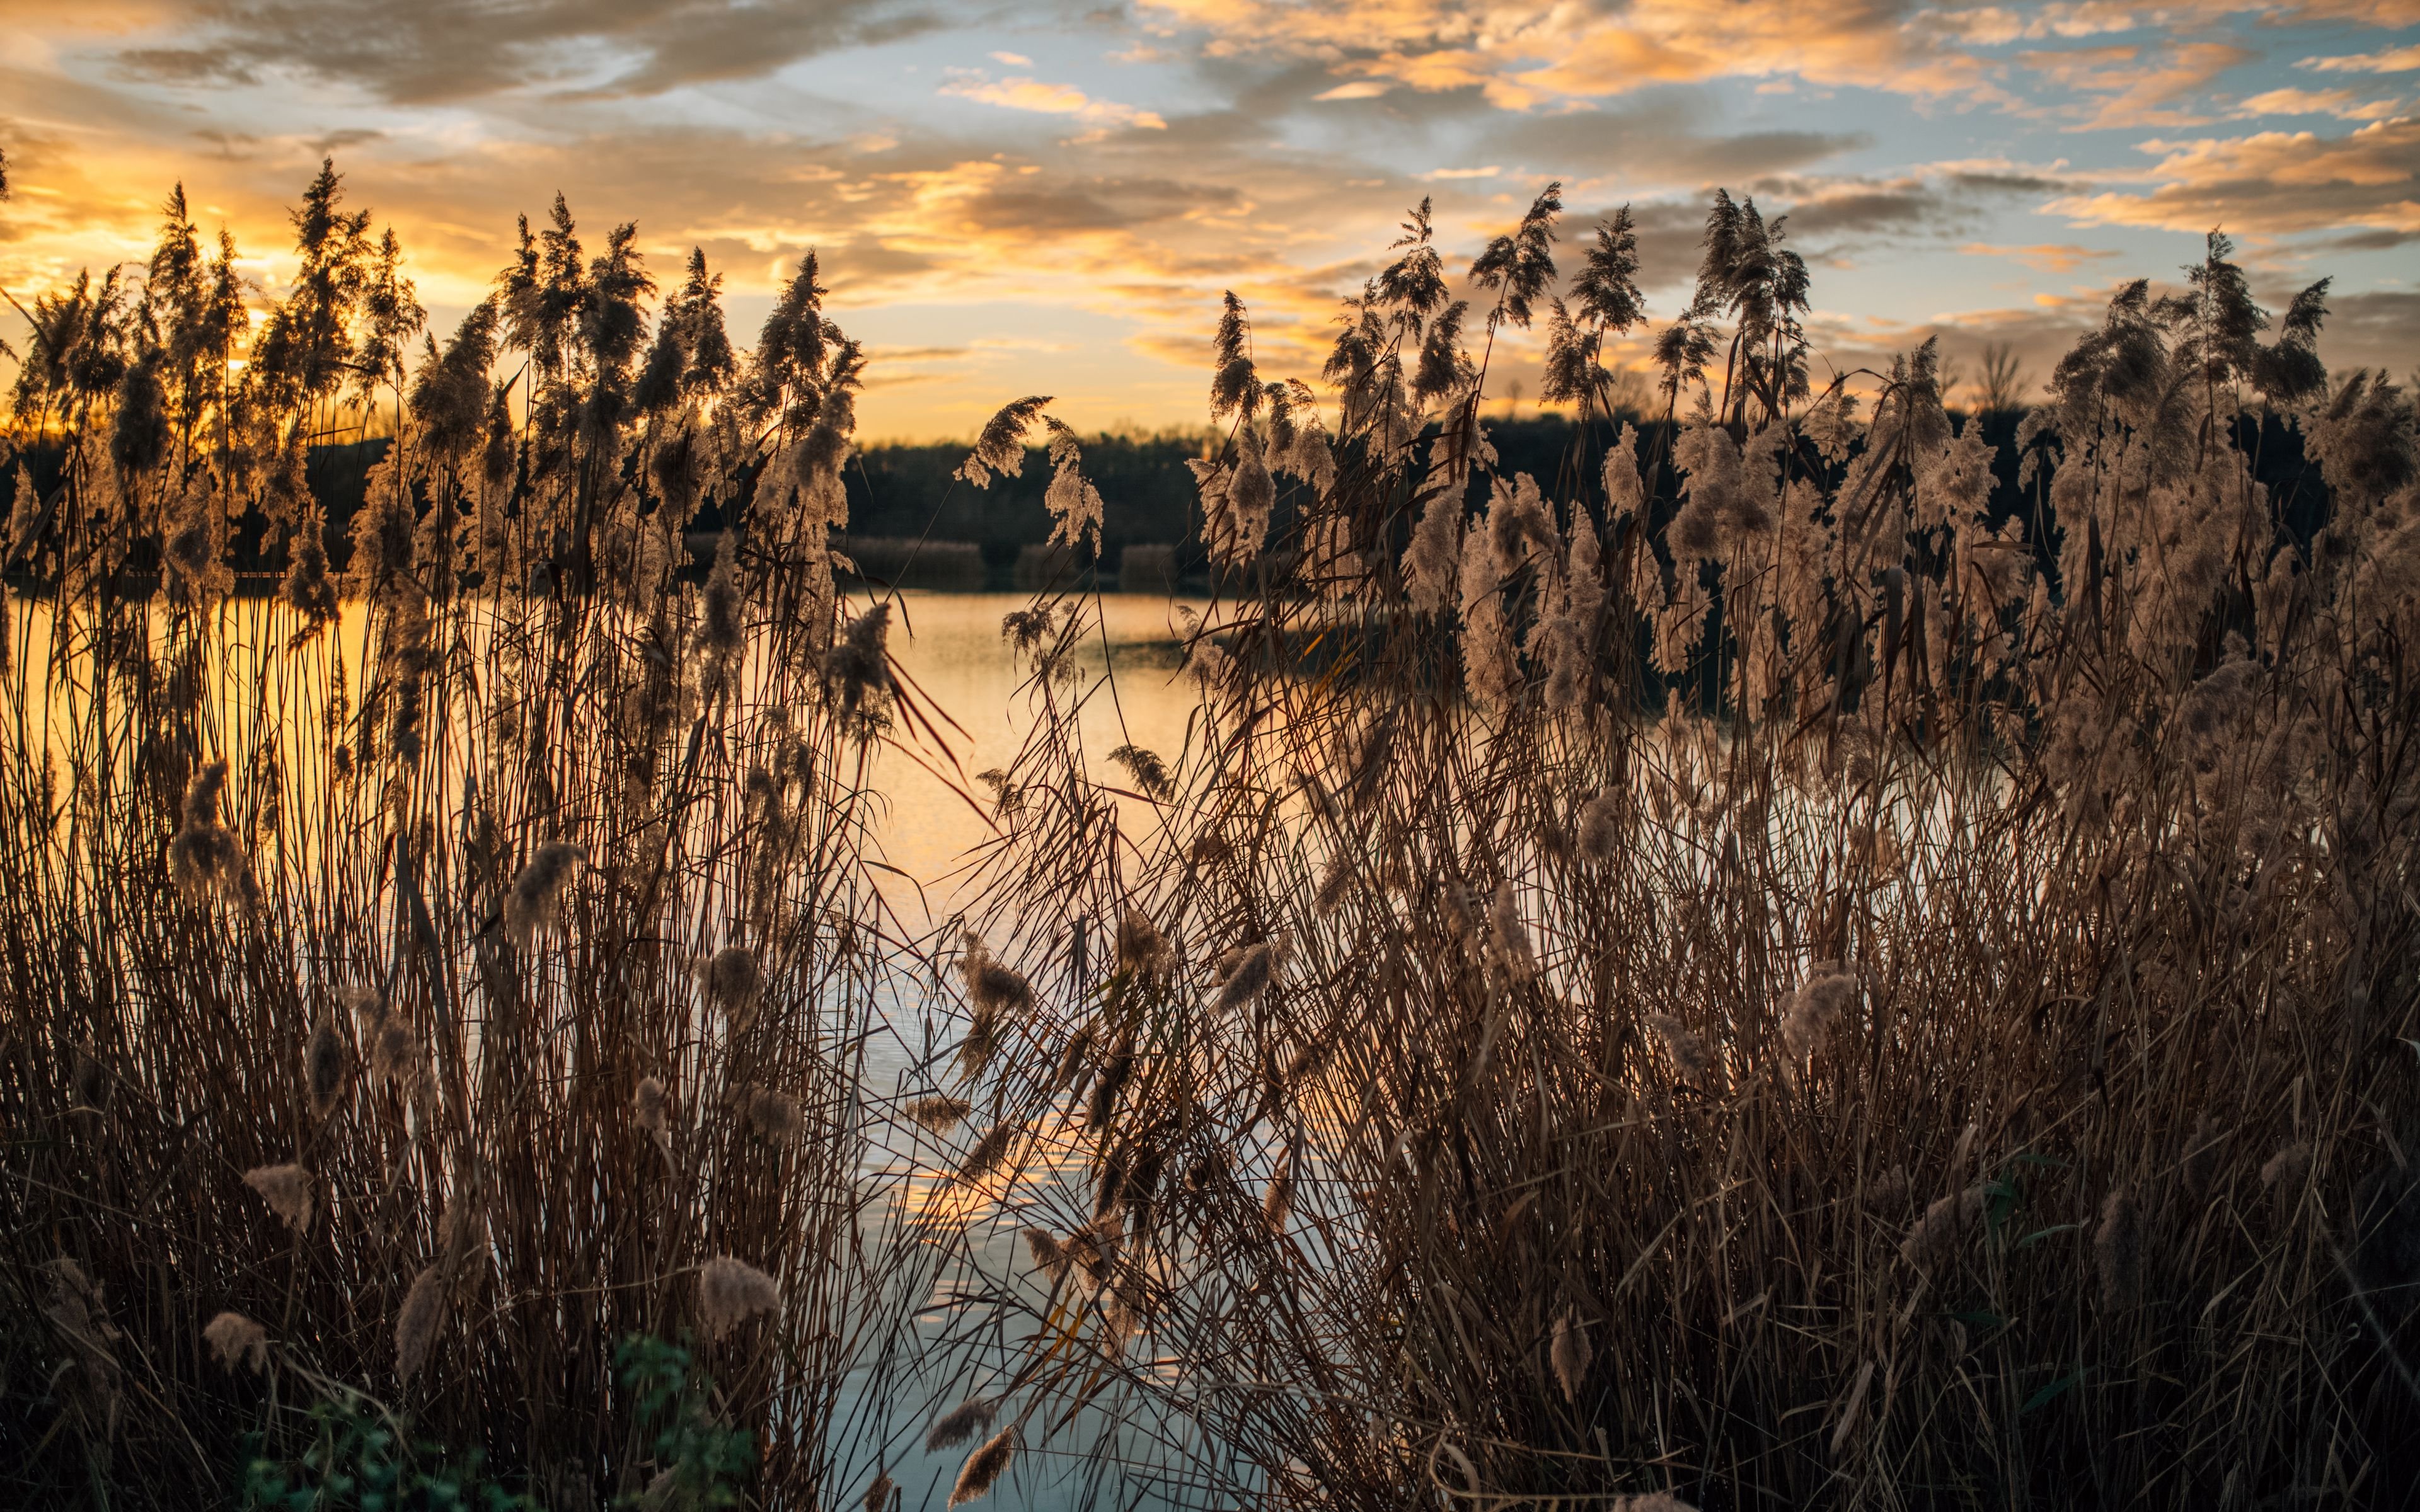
949	646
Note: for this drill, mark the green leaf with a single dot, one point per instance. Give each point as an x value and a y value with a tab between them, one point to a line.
2050	1393
2040	1234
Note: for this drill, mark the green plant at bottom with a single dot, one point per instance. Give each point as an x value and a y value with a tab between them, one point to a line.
702	1459
363	1458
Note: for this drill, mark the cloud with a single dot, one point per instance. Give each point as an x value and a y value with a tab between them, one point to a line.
1655	146
2394	60
2341	103
1051	99
2270	182
2049	257
435	51
1526	53
2138	91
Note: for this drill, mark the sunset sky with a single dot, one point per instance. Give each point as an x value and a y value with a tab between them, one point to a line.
1050	198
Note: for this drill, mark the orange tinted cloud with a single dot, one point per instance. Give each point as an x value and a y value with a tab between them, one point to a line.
2270	182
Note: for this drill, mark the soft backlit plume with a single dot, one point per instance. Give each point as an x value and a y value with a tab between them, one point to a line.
235	1339
1000	449
1687	1052
536	901
983	1468
988	1154
2117	1250
416	1324
323	1067
877	1495
1150	774
2283	1172
287	1189
1570	1353
940	1114
730	1292
1050	1256
1142	950
1935	1237
960	1423
991	984
651	1110
773	1114
1509	934
1600	826
1073	503
1277	1201
1491	671
1813	1009
1243	975
857	669
204	855
733	980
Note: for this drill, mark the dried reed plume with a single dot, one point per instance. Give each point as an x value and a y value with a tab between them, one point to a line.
1813	1008
983	1468
877	1494
1570	1353
323	1068
938	1112
1935	1238
417	1322
1277	1202
287	1189
1142	950
1688	1054
773	1114
651	1110
730	1292
204	856
988	1152
2117	1250
960	1423
235	1339
1050	1257
733	980
1244	974
536	901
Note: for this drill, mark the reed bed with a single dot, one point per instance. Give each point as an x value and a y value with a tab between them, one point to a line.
1779	982
429	979
1751	974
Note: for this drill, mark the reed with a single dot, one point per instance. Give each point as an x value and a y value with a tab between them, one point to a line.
431	977
1776	967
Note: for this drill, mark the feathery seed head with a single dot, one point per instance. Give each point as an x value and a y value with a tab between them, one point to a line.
960	1423
416	1325
731	1291
1570	1352
1681	1046
235	1339
989	1153
651	1110
2117	1250
536	900
323	1067
774	1114
983	1468
287	1189
1813	1009
939	1114
733	980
